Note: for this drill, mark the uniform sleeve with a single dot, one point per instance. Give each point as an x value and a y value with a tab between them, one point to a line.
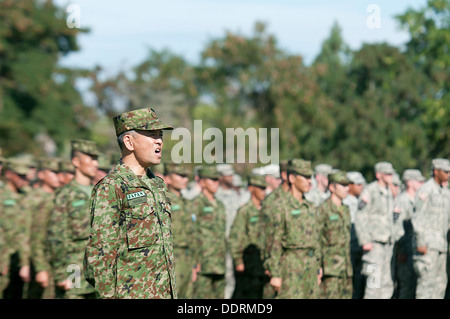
238	237
362	219
273	240
104	242
420	220
57	236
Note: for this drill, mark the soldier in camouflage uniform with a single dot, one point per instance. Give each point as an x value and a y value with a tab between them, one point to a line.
14	223
374	229
69	224
40	204
176	177
431	226
129	254
294	258
277	196
334	232
356	186
403	250
210	239
245	245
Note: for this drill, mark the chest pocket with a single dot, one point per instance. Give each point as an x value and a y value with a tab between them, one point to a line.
142	222
300	228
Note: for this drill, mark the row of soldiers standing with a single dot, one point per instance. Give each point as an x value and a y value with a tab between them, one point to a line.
289	242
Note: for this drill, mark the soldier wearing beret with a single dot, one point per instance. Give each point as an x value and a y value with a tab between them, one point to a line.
129	254
334	233
39	204
294	241
183	223
374	229
14	224
210	239
245	244
68	229
430	227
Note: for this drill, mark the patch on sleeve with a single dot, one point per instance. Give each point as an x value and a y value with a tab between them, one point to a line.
362	204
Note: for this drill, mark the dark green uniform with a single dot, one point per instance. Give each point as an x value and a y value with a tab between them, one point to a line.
334	231
210	248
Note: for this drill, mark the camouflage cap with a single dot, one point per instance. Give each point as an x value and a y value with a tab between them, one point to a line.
66	165
339	177
356	178
208	171
104	163
85	146
257	180
142	119
174	168
17	165
301	166
413	174
441	164
225	169
49	163
323	169
384	167
396	180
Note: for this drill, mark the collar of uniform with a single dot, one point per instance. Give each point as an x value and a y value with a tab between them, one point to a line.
129	177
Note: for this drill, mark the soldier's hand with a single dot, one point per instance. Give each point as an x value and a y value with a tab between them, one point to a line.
65	285
319	276
24	273
240	268
422	250
275	282
367	247
42	278
5	270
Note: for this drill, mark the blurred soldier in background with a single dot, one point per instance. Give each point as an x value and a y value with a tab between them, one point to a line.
210	238
66	171
396	185
176	177
68	230
277	196
193	189
374	229
334	233
355	187
245	244
104	166
319	193
430	226
294	239
230	199
39	204
403	250
15	224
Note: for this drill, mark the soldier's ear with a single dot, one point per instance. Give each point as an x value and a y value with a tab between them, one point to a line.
76	161
128	142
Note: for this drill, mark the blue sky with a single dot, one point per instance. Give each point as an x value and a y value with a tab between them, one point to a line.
123	31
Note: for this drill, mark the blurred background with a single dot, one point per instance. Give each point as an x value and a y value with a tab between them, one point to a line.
349	83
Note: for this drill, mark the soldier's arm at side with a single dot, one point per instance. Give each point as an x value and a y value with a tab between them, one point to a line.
100	263
362	221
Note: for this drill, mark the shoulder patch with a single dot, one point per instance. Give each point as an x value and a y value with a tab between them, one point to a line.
362	204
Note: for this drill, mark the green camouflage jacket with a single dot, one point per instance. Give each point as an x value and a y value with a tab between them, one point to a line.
40	204
334	233
68	233
182	221
130	248
15	224
244	240
293	227
210	240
